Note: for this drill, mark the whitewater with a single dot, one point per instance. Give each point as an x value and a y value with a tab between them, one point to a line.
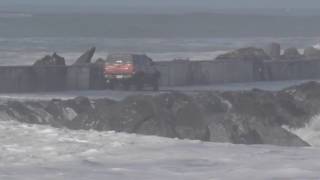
34	152
38	152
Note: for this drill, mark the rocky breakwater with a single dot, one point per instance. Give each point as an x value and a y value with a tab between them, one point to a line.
243	117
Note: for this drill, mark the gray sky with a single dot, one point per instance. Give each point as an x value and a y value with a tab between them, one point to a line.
164	3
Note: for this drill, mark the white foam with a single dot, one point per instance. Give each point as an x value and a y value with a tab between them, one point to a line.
311	132
317	46
27	154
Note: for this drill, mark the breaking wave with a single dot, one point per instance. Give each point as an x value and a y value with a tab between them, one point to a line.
311	132
42	152
317	46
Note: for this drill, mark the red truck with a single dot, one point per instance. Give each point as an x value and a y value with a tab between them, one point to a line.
129	70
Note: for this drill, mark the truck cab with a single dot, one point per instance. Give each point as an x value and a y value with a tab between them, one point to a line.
129	70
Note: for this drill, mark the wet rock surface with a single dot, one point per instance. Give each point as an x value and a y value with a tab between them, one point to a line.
86	57
53	60
291	54
245	54
243	117
273	50
311	53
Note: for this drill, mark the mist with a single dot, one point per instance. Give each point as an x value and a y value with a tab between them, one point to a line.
296	7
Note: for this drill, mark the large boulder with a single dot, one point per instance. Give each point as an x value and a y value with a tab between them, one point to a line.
291	54
245	117
311	53
187	118
85	58
252	117
245	54
273	50
100	62
308	94
54	60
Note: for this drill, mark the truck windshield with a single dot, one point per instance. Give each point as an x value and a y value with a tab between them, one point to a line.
119	60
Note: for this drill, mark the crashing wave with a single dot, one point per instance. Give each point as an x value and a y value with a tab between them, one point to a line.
317	46
310	133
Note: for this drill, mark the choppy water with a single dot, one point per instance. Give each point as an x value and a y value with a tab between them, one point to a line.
27	37
45	153
23	51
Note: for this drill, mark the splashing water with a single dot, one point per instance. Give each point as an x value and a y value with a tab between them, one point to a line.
311	132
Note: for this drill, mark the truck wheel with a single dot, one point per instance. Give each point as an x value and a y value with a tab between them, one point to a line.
139	81
156	86
155	81
110	85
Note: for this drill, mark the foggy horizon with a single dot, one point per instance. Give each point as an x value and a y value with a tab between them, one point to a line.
215	4
309	7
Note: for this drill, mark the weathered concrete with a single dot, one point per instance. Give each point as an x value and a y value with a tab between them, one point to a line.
32	78
273	50
292	70
85	77
212	72
179	73
173	73
16	79
49	78
78	77
45	78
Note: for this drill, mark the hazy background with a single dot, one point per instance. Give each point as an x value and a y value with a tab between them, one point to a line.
164	29
162	6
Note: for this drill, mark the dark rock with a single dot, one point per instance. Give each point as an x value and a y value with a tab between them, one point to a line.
291	54
245	54
273	50
149	118
29	112
100	62
311	53
245	117
85	58
307	94
188	119
254	117
54	60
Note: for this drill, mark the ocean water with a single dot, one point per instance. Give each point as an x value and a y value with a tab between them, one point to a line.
42	152
25	38
33	152
24	51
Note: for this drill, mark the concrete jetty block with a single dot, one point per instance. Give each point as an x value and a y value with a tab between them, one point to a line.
174	73
292	70
213	72
78	78
50	78
17	79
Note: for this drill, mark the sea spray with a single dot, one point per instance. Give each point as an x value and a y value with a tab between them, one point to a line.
310	133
